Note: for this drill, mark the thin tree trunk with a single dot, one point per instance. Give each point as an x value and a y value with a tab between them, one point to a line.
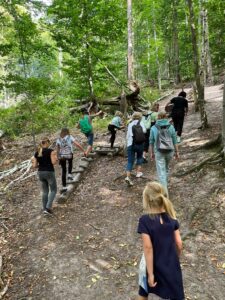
130	70
156	50
60	57
223	124
197	71
176	43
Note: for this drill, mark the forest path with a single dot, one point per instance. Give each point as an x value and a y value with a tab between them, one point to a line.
90	249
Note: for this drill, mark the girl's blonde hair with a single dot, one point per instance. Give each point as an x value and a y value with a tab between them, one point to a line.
136	116
64	132
41	145
162	115
155	198
118	114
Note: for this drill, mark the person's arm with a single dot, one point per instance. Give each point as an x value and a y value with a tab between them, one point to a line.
148	252
34	162
177	154
174	138
151	145
54	157
178	241
79	146
143	127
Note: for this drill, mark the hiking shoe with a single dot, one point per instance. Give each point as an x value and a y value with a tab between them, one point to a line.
128	181
48	212
139	174
64	189
70	177
145	161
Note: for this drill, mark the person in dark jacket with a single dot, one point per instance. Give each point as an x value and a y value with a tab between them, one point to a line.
179	111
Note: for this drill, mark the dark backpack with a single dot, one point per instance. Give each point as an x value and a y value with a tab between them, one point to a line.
138	133
164	141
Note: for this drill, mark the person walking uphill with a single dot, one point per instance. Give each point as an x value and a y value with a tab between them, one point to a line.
115	124
45	159
65	153
179	111
85	125
160	271
163	143
135	145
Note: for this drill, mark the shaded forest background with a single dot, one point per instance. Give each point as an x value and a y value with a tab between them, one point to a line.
56	54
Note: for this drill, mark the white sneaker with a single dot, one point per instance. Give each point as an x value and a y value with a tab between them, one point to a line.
63	190
128	181
70	177
139	174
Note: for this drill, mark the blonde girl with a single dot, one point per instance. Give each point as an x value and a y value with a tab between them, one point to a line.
162	246
44	159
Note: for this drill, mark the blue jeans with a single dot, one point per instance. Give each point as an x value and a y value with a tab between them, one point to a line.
48	181
162	166
90	138
131	151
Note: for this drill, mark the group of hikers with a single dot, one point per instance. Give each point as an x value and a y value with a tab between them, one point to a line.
157	133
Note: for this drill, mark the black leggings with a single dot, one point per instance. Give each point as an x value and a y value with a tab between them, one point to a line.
112	129
178	121
64	168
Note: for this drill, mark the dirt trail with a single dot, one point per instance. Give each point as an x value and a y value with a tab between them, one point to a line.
90	249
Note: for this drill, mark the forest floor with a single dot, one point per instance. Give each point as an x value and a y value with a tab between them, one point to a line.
90	248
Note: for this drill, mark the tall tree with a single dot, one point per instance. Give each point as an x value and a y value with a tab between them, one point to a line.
198	72
130	70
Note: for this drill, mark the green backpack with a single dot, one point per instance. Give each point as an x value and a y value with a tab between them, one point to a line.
85	125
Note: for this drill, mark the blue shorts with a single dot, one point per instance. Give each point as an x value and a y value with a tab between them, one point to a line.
90	138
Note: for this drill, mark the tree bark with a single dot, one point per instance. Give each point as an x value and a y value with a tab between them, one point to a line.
223	122
176	44
130	71
198	72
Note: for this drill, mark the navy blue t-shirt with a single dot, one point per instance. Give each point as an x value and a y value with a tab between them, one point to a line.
44	161
166	265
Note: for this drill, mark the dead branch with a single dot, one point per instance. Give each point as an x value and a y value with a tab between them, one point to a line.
4	291
22	166
4	226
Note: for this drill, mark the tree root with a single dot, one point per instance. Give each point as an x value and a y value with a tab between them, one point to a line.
212	143
215	158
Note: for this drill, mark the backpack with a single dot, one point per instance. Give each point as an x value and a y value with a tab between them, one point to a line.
138	133
164	142
65	148
85	125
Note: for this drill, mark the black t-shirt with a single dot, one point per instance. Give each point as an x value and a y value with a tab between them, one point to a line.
179	104
44	162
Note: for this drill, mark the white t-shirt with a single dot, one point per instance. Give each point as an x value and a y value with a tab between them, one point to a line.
65	146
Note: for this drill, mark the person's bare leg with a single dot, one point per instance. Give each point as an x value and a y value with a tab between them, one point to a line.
89	148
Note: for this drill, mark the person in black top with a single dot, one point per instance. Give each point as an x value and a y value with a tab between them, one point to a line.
179	110
44	159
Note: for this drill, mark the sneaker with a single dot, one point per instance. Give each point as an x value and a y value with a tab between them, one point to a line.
48	212
139	174
178	139
70	177
64	189
128	181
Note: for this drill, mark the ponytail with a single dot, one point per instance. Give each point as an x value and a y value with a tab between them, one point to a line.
41	146
155	199
168	206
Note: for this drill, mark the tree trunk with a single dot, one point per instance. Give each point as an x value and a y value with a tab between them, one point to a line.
60	62
223	123
176	44
130	71
89	72
156	50
198	72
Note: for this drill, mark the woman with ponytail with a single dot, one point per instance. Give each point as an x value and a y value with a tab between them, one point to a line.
162	246
45	159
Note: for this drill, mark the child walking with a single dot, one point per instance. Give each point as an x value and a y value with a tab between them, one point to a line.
162	246
115	124
65	154
44	159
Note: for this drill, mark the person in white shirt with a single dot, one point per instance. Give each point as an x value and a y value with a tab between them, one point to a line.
135	145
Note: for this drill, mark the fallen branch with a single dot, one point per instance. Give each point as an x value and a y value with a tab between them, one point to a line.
4	291
4	226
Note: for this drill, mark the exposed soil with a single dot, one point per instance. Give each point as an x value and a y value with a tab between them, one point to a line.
90	248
